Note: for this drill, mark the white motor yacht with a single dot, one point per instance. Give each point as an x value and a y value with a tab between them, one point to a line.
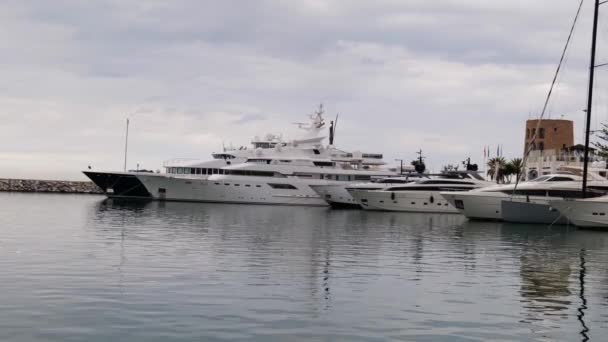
338	196
586	213
419	196
487	203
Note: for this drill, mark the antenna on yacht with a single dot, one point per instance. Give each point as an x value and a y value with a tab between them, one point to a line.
419	166
332	130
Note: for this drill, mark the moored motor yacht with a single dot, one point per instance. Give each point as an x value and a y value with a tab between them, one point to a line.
338	196
585	213
487	203
419	196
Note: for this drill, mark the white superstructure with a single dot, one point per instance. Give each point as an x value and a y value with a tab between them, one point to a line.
420	196
272	172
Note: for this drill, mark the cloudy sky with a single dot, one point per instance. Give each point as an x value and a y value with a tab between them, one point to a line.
447	76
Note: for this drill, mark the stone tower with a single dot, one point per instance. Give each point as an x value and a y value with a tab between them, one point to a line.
552	135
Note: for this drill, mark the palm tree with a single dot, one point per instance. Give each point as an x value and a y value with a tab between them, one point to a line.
496	169
514	168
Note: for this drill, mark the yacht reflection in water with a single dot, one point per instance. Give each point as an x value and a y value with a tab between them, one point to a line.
306	259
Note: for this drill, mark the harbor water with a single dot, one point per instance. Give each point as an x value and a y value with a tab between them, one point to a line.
84	268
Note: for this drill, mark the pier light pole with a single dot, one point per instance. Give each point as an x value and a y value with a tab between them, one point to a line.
126	144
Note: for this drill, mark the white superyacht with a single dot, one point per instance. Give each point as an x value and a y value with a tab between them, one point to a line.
281	173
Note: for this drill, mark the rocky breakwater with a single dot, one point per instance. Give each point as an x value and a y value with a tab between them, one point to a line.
33	185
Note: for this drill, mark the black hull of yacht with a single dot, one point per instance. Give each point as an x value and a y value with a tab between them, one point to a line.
119	185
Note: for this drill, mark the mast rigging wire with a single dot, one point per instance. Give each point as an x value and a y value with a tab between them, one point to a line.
542	115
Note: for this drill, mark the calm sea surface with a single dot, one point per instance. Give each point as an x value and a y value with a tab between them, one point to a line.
82	268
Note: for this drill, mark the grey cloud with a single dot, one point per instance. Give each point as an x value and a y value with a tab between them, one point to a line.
249	118
403	74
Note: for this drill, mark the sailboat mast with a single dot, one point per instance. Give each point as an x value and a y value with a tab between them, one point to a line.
590	96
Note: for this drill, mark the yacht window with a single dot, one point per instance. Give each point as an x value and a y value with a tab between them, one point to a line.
426	188
541	179
304	175
250	173
315	151
285	161
343	177
565	193
323	163
247	185
180	170
372	155
282	186
362	177
561	179
192	171
259	161
541	193
393	181
447	182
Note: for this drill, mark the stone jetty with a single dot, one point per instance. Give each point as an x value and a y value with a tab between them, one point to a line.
33	185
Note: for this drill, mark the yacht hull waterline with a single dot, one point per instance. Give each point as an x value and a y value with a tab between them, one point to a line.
336	196
535	213
219	189
584	213
119	184
419	201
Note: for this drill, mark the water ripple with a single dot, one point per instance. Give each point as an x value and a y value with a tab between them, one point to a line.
85	268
